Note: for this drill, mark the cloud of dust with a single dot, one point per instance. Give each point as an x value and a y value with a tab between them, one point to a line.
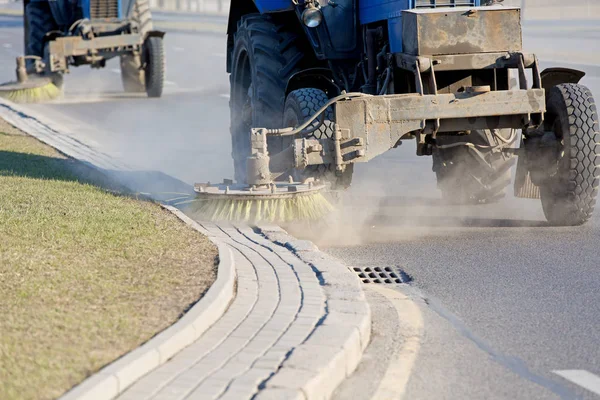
386	207
171	142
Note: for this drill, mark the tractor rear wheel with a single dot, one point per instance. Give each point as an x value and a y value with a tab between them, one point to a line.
39	21
569	190
302	104
132	71
265	55
471	173
155	66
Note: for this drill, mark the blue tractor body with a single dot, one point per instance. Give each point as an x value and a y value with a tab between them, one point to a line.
369	11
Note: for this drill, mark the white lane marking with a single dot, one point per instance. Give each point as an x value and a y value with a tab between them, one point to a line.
7	45
394	382
170	83
225	96
175	48
222	55
583	378
115	70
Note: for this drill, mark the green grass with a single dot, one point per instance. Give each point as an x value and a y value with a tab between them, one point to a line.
85	275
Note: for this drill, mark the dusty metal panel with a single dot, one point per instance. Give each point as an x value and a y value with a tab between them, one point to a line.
380	121
466	105
458	31
77	46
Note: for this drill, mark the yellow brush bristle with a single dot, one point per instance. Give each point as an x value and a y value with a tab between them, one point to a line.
33	95
311	207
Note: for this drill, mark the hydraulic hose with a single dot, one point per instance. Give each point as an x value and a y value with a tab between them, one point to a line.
300	128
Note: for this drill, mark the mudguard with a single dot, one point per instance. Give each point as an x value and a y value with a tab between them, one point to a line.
159	34
524	187
320	78
555	76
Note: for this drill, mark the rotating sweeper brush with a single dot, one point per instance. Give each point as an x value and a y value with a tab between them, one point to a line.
280	187
275	202
29	89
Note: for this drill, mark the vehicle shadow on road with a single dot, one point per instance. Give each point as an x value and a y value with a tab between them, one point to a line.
460	222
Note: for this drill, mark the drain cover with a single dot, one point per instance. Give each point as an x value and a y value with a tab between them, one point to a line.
382	275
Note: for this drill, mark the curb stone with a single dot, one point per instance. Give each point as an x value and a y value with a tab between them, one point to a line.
119	375
332	352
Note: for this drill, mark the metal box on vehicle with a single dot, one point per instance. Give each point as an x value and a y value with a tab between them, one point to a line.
442	31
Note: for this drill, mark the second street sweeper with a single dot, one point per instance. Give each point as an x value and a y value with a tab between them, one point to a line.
317	86
63	33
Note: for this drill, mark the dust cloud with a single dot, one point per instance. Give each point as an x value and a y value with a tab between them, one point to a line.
396	199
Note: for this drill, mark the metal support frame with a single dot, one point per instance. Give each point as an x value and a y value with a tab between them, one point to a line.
368	127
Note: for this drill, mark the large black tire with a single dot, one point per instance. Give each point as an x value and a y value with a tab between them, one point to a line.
466	176
155	66
132	70
569	193
39	21
302	104
265	55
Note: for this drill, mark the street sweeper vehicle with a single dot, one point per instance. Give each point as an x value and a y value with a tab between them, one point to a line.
318	86
63	33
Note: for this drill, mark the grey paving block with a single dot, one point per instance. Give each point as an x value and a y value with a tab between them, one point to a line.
301	245
238	393
259	347
315	357
308	310
291	378
269	229
230	370
333	336
248	356
280	394
208	390
360	321
314	299
312	257
253	377
349	306
153	381
138	393
177	389
270	364
344	292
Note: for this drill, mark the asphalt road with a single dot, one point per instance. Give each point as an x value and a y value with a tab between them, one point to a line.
505	300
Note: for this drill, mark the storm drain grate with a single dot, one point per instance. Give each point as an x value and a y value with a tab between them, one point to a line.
382	275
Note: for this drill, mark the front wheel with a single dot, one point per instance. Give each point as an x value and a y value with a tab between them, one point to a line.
569	190
155	66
